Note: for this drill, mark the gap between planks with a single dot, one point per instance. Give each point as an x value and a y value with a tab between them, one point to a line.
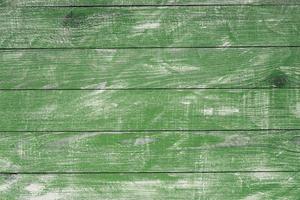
152	47
141	89
154	130
158	6
150	172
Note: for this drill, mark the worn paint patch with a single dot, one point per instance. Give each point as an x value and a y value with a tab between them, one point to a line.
147	26
208	111
98	86
44	112
34	188
222	111
9	182
256	196
143	141
58	195
296	111
7	165
235	141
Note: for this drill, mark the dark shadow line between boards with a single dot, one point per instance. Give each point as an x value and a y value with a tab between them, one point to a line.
149	47
161	5
148	172
148	130
147	89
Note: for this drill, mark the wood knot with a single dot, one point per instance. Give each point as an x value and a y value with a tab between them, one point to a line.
278	79
72	20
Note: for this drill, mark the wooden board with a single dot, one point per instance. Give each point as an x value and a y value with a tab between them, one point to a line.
140	2
211	109
230	186
150	68
206	26
173	151
153	99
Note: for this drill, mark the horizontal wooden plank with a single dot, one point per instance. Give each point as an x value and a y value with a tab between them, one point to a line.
150	151
205	109
139	2
149	27
152	186
150	68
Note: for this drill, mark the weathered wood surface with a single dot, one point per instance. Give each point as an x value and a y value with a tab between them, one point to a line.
231	186
204	109
95	104
150	68
149	27
140	2
150	151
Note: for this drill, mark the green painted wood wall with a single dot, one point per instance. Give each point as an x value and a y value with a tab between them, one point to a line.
157	99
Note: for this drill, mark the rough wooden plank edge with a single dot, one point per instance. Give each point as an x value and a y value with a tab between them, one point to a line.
219	109
149	27
153	186
134	69
143	2
149	152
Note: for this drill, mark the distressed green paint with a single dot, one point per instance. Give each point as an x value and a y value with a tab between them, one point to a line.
150	68
219	141
203	109
145	2
140	2
149	27
233	186
150	151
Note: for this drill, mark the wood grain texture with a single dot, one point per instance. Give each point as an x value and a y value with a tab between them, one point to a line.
149	27
150	68
150	151
231	186
104	101
139	2
218	109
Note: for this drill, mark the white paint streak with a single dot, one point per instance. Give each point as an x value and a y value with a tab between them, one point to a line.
106	51
257	196
186	102
261	116
226	44
208	111
222	111
143	141
297	110
34	188
44	112
7	165
234	141
9	183
237	77
12	56
78	138
50	86
263	175
98	102
48	196
182	68
146	26
99	86
188	184
61	194
261	59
